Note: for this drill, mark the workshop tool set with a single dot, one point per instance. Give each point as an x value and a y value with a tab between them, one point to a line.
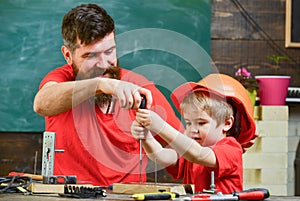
83	192
207	195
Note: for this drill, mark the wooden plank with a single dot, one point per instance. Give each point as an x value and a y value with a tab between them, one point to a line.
133	188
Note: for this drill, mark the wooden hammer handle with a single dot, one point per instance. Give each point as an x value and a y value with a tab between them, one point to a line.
33	176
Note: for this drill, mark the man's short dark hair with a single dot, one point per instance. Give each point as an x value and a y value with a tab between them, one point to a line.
87	22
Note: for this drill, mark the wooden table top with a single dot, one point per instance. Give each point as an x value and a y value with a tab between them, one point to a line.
110	197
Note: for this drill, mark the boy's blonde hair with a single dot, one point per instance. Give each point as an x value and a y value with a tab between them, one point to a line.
216	107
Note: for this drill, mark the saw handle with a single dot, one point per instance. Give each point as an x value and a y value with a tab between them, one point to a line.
253	194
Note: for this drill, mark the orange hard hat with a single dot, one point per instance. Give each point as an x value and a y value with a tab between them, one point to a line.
235	94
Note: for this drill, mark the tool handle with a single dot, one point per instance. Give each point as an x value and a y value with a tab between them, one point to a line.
254	194
33	176
143	102
155	196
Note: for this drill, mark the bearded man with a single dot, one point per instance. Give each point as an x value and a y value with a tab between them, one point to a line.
90	103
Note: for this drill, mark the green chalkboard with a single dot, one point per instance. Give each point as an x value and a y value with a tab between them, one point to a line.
168	41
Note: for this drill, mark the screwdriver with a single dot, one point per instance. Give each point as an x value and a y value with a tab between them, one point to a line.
155	196
250	194
142	106
141	160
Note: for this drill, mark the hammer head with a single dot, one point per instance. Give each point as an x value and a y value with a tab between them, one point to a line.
59	179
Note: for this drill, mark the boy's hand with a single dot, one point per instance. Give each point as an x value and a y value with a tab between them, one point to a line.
143	117
138	131
150	120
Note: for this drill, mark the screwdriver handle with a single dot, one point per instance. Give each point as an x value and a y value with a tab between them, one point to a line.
143	102
155	196
254	194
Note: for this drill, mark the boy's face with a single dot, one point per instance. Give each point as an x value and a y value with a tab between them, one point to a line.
202	128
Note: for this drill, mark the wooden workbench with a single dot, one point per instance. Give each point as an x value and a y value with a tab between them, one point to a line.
110	197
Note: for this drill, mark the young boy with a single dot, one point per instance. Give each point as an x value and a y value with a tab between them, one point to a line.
218	116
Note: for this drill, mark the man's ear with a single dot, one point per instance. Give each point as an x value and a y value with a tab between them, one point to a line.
228	124
67	54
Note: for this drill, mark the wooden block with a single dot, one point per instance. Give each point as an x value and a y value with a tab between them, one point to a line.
272	128
133	188
265	176
256	147
51	188
269	145
252	176
265	160
46	188
273	113
274	176
274	145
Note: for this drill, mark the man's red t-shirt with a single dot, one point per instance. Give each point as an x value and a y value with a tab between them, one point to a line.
228	176
98	147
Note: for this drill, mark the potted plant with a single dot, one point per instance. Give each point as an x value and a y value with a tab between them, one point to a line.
273	88
276	59
250	83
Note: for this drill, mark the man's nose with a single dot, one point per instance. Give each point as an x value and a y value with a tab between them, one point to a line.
102	61
100	65
105	63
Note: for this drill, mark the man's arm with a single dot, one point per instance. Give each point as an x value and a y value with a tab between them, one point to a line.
54	98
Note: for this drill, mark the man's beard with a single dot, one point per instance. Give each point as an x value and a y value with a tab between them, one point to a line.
110	72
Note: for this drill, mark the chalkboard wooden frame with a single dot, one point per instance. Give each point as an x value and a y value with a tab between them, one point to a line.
290	20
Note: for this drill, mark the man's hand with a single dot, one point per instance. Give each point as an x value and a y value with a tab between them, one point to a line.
128	94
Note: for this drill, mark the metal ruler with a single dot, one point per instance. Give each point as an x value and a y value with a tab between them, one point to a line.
48	153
